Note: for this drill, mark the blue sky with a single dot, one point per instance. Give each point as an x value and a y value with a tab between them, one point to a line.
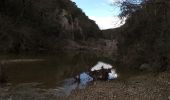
101	11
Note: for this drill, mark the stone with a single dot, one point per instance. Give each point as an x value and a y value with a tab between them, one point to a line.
168	97
145	67
103	71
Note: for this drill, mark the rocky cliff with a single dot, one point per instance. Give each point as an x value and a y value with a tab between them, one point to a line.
41	25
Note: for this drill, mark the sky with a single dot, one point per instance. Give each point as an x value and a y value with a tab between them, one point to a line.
101	11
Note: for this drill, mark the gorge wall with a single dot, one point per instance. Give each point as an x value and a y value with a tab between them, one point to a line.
41	25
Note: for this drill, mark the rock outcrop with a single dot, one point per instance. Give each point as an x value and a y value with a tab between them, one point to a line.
37	25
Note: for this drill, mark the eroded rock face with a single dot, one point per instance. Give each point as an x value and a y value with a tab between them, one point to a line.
34	25
70	25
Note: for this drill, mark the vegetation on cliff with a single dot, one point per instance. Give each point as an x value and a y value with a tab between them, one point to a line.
145	38
41	25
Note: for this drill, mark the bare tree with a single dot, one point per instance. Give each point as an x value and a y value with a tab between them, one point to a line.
128	7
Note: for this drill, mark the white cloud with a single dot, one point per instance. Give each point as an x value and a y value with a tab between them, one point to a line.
107	22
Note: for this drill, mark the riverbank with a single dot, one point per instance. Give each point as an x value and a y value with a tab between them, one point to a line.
138	87
142	87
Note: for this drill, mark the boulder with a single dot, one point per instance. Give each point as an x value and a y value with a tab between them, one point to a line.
103	71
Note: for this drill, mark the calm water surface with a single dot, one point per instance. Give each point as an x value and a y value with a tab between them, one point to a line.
54	72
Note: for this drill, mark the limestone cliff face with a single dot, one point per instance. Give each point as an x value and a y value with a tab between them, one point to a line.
33	25
70	25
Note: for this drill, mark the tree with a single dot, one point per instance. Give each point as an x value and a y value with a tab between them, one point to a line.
127	7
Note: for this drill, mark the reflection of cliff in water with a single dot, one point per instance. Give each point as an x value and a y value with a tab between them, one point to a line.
54	73
100	71
84	59
51	70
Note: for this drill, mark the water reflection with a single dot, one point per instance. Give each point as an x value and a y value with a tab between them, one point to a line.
102	71
58	72
71	84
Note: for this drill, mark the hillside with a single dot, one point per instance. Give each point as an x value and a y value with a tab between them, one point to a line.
42	25
111	33
144	41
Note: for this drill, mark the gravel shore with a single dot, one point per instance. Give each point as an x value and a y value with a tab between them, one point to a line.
142	87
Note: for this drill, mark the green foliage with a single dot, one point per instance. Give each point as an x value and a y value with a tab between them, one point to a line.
145	36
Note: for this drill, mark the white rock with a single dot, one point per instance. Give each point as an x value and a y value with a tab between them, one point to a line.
99	66
112	74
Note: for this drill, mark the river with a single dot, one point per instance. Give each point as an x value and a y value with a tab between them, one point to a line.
44	72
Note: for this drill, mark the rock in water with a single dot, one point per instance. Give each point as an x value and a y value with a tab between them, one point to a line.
112	74
85	78
103	71
101	65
